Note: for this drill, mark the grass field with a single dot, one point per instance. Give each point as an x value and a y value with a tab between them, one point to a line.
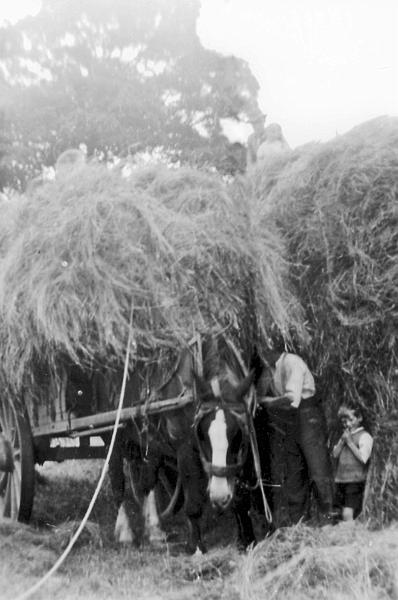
332	563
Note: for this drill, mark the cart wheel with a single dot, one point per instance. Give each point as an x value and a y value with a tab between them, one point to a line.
17	468
168	490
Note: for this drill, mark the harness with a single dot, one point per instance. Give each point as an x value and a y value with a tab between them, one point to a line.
244	418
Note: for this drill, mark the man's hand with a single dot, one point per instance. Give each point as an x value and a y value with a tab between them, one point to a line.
275	402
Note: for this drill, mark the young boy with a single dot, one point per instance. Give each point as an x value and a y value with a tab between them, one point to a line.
352	452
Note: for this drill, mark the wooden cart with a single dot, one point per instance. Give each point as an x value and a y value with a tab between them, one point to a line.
72	406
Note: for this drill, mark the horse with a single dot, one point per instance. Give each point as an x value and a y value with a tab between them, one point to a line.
226	435
211	441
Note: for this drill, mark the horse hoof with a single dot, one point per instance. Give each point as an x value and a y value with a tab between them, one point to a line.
124	540
123	533
196	550
156	537
244	546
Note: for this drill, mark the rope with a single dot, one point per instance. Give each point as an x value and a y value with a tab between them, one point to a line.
257	465
77	533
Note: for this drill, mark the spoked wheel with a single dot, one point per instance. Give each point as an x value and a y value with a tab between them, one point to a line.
168	490
17	468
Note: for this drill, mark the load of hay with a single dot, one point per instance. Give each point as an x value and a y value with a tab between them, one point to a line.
336	205
171	247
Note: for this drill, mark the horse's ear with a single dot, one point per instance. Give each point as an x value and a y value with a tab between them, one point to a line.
185	367
203	388
244	386
256	365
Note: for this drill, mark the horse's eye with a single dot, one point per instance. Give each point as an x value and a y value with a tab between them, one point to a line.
236	441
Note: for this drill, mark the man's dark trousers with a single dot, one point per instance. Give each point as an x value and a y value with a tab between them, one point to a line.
299	458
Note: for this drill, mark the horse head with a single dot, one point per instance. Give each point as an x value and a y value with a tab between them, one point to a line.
222	431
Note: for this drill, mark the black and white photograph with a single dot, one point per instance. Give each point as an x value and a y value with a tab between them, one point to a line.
199	300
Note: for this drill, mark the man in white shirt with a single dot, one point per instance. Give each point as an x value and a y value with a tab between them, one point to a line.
299	455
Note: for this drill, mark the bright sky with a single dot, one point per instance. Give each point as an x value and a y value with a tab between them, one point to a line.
323	66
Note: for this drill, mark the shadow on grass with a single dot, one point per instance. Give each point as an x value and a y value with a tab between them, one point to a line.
64	490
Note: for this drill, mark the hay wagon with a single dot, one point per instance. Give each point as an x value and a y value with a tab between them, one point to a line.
71	415
179	246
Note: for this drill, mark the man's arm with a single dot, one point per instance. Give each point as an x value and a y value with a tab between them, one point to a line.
365	446
293	380
293	377
275	402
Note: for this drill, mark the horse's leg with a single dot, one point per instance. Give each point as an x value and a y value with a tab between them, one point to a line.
152	530
241	507
123	531
194	485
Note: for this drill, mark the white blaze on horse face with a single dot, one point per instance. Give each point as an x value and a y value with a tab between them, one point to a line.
219	489
123	532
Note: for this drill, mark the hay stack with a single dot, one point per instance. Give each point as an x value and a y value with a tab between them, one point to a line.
80	251
337	207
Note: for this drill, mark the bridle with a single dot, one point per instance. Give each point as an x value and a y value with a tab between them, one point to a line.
243	415
238	411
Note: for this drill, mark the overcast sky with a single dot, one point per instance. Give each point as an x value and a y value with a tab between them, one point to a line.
323	65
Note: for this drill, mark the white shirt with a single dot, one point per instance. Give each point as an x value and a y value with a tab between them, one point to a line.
292	378
271	148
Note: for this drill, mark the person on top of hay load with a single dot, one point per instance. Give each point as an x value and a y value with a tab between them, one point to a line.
297	437
70	159
273	144
352	452
255	139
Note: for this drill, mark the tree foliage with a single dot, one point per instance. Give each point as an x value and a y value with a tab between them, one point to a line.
110	73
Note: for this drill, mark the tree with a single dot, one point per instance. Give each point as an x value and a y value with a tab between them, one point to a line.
113	72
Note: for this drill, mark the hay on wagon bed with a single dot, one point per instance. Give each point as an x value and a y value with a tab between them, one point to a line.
336	205
171	244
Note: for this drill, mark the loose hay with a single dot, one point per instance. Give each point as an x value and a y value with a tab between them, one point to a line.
171	244
345	562
56	538
336	205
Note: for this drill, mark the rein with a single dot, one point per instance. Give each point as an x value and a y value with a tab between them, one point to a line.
252	433
257	465
245	420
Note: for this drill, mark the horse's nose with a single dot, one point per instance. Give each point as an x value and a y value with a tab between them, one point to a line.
222	502
220	492
225	501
